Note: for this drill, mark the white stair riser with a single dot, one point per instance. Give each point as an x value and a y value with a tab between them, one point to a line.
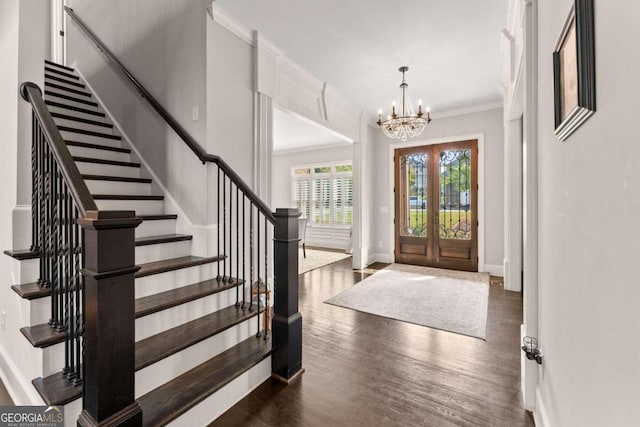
111	170
25	271
36	311
81	137
170	318
54	98
52	359
72	412
78	114
64	83
219	402
165	370
156	283
162	251
121	188
142	207
81	125
95	153
155	227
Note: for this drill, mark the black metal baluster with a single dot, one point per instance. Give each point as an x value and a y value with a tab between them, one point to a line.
259	333
59	244
52	270
237	244
224	225
266	279
244	251
46	282
80	302
251	256
42	219
34	184
218	225
68	317
230	276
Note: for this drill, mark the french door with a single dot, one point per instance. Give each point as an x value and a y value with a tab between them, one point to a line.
436	205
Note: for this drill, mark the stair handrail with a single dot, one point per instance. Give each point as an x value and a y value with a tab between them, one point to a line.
31	93
193	145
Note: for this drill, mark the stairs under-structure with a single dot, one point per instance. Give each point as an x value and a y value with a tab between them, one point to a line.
196	346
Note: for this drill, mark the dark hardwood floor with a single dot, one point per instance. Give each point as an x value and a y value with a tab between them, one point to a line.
364	370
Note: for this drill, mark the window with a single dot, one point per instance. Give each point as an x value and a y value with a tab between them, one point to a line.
324	193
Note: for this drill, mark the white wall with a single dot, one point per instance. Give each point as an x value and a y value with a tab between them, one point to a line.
337	238
24	44
488	122
163	43
588	220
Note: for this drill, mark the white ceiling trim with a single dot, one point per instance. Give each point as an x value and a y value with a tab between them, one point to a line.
236	27
312	148
467	110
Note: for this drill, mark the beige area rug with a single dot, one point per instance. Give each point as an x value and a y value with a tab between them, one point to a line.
317	258
453	301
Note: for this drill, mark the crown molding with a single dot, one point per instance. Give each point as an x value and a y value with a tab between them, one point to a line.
312	148
467	110
222	17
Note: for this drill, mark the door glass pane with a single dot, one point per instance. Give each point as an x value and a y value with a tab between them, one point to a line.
413	195
455	194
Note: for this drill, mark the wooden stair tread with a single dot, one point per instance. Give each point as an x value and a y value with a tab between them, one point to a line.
22	254
81	120
167	402
61	80
116	178
164	344
106	162
73	108
43	335
172	264
126	197
48	84
157	217
64	67
31	291
97	146
60	72
88	132
164	238
174	297
70	98
56	390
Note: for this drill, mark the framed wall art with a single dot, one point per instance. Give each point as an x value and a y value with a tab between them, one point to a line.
574	70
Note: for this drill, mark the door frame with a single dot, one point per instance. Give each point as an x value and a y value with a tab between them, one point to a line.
481	180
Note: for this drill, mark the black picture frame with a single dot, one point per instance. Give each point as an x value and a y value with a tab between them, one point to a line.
575	95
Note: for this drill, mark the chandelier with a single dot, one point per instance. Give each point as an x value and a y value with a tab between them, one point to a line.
408	123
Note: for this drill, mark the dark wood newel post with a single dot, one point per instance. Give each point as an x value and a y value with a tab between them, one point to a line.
109	338
286	359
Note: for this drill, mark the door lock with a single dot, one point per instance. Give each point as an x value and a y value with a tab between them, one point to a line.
531	350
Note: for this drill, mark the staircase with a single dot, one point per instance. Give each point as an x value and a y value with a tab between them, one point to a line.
201	339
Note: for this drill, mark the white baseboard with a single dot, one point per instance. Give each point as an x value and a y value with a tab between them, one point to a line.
386	258
494	270
540	415
18	387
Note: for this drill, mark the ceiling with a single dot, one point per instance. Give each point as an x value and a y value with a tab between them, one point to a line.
452	47
291	132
